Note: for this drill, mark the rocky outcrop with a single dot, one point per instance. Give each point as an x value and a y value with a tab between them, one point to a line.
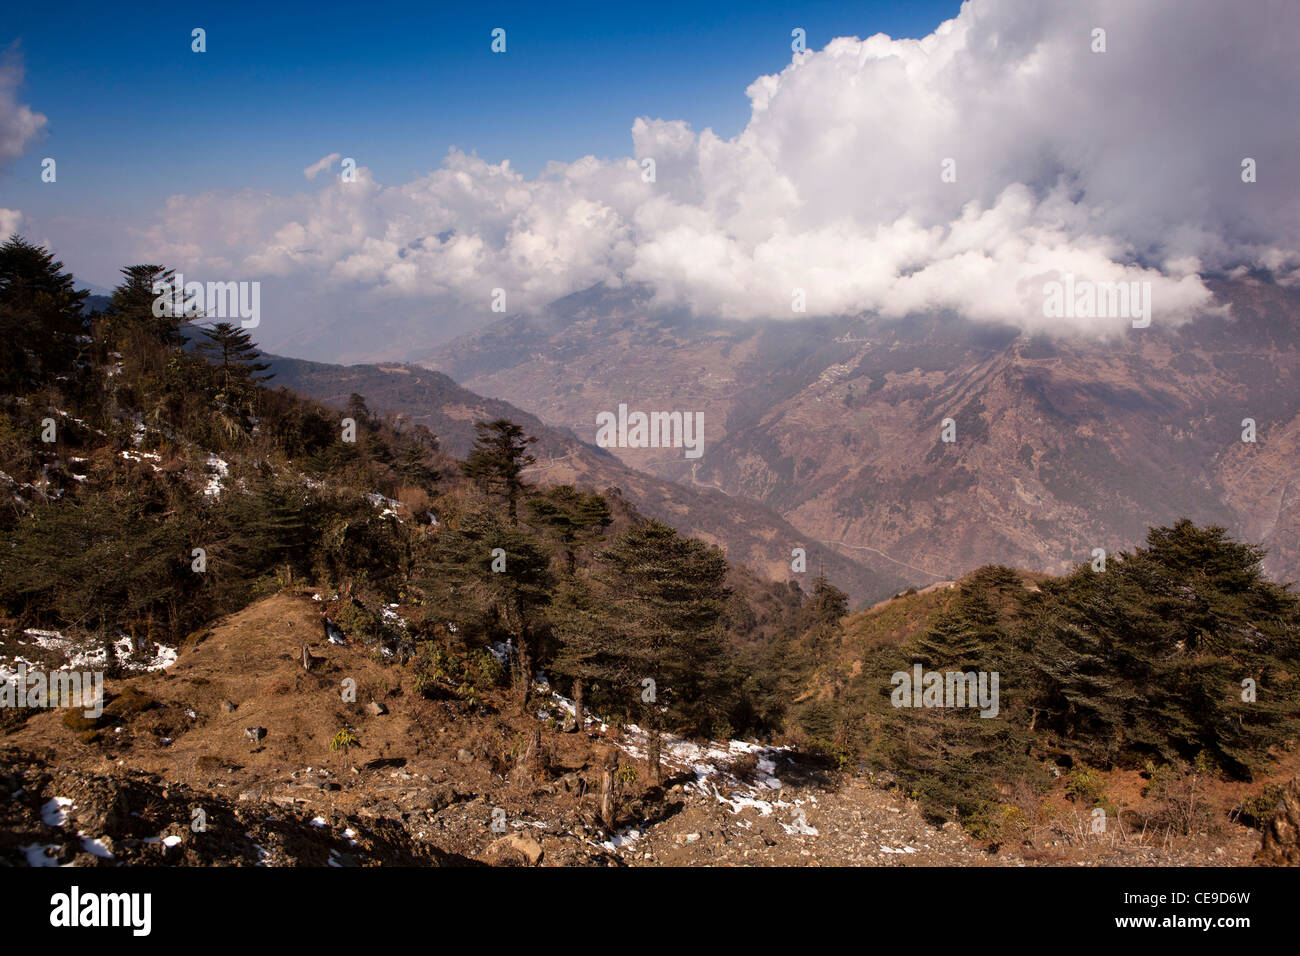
1281	844
514	850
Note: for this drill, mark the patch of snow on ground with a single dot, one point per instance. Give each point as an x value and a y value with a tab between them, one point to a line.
219	469
87	656
707	763
800	824
96	848
624	837
163	658
53	814
389	505
165	841
48	640
566	705
36	854
143	456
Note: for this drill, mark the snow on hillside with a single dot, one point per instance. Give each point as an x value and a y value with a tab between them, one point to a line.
711	764
390	506
218	469
53	650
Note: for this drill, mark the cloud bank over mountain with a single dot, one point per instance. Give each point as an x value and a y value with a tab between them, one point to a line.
19	127
1118	165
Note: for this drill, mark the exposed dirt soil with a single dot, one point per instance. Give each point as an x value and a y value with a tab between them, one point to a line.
436	782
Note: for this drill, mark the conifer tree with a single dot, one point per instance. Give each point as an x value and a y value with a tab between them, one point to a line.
964	638
651	629
497	460
40	315
358	410
412	463
133	301
1147	658
575	517
825	609
575	617
492	597
232	351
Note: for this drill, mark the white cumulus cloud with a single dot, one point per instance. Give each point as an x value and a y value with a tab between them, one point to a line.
18	124
1116	165
10	220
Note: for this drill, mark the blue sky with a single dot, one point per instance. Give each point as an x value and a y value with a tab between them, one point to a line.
135	116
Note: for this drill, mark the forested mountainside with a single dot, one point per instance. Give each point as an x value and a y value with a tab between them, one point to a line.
229	552
751	533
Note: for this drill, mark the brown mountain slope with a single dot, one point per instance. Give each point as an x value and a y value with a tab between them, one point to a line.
1062	445
750	532
427	779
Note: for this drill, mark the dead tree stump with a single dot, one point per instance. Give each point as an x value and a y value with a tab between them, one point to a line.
608	793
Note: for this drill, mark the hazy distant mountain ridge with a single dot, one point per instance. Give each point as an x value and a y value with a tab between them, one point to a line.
749	531
1062	444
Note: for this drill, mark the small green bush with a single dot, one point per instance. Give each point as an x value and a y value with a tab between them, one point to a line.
344	739
1258	809
1085	785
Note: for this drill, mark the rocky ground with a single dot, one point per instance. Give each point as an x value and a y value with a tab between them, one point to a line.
171	776
54	816
858	824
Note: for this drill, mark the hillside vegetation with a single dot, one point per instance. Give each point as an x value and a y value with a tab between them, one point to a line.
156	479
176	485
1178	661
